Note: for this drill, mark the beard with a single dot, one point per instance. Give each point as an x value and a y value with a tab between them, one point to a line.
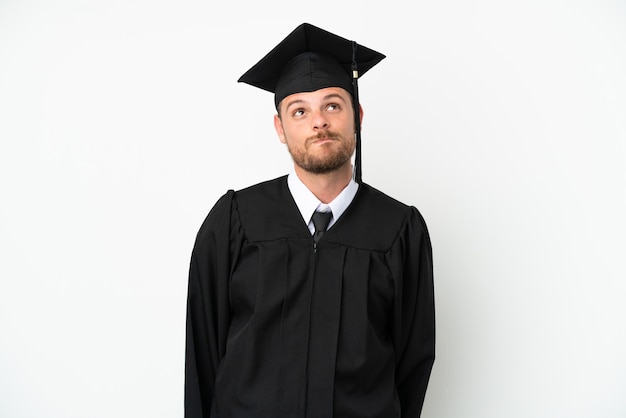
340	152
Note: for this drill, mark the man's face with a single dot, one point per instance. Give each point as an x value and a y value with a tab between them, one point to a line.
318	129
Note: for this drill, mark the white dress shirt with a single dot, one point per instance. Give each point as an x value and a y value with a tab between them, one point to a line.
307	202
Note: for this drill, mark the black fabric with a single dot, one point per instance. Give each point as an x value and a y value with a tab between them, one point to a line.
320	221
308	59
278	329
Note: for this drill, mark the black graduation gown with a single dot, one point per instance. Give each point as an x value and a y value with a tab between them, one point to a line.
279	327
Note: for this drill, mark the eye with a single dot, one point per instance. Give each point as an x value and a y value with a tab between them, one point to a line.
298	113
332	107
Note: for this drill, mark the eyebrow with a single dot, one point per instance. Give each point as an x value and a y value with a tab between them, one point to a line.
334	95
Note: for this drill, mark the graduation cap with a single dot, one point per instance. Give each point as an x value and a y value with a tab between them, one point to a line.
309	59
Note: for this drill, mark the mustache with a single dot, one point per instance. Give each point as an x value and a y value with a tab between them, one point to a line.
324	135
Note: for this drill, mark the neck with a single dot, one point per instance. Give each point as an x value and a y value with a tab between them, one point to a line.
326	186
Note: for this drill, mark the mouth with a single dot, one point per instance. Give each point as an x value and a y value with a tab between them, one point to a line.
322	139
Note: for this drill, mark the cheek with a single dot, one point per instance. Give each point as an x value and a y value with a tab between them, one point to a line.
348	124
292	136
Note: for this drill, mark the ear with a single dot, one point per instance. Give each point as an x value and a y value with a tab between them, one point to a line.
360	114
278	125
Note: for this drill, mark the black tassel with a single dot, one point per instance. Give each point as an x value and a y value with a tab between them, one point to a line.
357	116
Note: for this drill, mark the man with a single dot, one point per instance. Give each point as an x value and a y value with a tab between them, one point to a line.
311	295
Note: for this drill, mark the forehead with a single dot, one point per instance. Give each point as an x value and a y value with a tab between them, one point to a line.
321	95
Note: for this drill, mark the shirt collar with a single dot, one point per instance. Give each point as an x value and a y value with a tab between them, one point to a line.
307	202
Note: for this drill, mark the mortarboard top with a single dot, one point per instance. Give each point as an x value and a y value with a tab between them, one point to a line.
309	59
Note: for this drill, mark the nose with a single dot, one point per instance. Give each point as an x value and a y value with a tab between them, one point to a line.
319	121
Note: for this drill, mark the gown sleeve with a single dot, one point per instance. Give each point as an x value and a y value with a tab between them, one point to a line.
207	307
414	322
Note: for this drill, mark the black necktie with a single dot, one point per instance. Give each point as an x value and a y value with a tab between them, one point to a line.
321	221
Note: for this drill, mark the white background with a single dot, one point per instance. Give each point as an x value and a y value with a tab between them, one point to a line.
504	122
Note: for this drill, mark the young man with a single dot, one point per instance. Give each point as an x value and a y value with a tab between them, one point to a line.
311	295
